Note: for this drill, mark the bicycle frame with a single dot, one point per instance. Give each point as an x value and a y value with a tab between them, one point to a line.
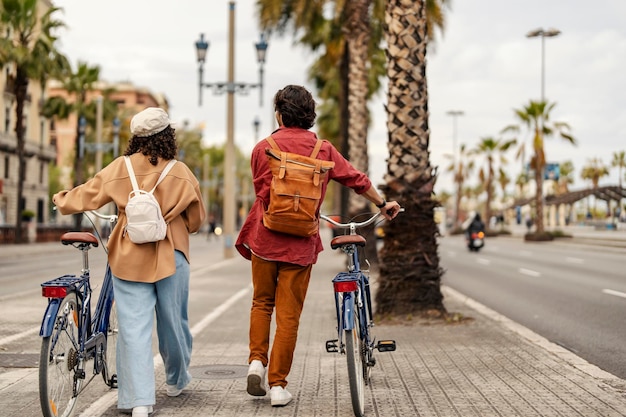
352	289
353	306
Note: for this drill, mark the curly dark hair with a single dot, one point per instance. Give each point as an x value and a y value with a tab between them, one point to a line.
162	144
296	106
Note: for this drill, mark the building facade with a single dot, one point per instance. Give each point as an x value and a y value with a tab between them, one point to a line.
38	149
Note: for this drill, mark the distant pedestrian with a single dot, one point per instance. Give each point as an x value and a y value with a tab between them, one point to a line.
212	225
529	222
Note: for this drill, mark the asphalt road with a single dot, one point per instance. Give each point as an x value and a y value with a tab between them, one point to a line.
573	295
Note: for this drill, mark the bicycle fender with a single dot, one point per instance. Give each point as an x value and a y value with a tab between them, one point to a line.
47	324
347	313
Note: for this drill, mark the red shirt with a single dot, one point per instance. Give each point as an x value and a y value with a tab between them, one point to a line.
256	238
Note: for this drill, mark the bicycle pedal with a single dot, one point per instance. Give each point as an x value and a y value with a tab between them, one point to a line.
331	346
386	345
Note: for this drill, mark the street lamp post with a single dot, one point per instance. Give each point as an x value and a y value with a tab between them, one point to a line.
547	33
230	87
455	114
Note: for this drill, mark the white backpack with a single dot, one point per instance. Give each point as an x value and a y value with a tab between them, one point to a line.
144	220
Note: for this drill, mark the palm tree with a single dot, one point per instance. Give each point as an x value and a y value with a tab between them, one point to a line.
461	171
536	118
593	171
31	50
410	274
503	181
490	148
619	161
566	178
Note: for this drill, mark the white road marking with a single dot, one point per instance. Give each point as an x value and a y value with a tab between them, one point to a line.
615	293
529	272
105	402
483	261
18	336
574	260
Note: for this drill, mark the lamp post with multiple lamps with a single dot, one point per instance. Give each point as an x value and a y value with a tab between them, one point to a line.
543	33
547	33
230	87
455	114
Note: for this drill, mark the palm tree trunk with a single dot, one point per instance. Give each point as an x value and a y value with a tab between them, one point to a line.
410	275
358	37
21	90
539	201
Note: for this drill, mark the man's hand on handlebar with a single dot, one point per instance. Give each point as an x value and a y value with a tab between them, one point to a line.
390	210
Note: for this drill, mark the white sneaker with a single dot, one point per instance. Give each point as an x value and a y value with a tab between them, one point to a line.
172	391
280	396
142	411
256	379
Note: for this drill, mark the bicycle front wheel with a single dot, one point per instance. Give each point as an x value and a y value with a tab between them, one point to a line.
354	350
59	361
109	373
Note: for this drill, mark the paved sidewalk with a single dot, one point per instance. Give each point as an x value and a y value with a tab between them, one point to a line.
487	366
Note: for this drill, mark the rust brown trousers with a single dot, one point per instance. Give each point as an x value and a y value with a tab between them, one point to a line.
281	286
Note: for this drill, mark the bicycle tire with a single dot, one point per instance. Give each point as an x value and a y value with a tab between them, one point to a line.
354	349
109	372
58	362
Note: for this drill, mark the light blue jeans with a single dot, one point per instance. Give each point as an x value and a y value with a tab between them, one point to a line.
136	304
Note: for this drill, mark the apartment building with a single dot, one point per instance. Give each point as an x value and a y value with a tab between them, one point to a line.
38	149
130	100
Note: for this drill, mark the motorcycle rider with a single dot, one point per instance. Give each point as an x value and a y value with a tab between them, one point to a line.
473	224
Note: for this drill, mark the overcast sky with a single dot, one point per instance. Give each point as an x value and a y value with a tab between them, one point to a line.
483	65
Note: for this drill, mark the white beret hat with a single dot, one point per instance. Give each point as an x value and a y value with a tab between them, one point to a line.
149	122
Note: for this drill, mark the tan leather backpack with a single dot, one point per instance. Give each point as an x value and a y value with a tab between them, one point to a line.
296	190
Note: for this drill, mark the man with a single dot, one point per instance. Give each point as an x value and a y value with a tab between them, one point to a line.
282	263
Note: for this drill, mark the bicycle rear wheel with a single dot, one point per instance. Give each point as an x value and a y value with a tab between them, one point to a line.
59	361
354	349
109	373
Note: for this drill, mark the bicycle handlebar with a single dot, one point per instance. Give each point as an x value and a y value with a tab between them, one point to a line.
112	218
350	225
353	225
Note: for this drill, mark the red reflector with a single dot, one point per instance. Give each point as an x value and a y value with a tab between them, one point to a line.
54	292
345	286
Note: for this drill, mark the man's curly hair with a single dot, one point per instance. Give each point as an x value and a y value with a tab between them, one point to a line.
296	106
162	144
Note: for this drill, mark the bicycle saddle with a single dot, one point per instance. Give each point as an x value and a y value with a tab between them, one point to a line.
70	238
339	241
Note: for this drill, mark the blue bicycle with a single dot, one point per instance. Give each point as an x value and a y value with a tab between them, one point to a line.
353	304
72	336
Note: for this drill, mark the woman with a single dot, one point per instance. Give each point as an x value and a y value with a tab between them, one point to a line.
282	263
150	277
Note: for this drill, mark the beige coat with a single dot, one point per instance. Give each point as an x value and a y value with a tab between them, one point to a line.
181	203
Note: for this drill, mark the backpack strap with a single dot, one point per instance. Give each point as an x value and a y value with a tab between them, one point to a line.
283	159
316	149
272	143
167	168
133	180
131	173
